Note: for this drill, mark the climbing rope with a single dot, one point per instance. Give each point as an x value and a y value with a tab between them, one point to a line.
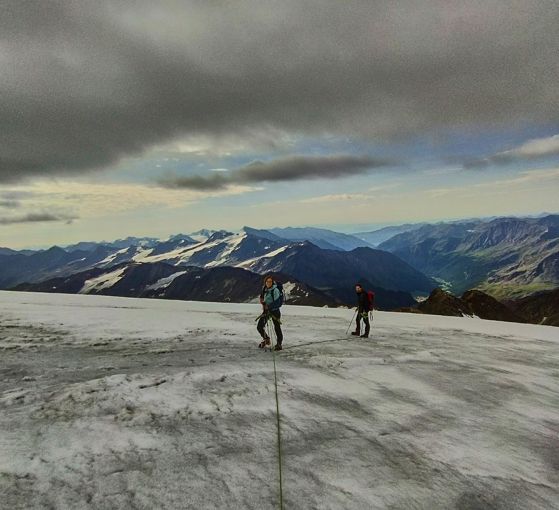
271	334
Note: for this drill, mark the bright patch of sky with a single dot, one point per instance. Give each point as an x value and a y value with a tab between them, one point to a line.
422	185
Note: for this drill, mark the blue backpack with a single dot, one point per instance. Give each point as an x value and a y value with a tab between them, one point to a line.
282	296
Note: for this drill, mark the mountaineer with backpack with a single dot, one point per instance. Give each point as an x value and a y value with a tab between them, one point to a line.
365	304
271	299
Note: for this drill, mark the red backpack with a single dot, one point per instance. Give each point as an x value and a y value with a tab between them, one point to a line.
371	299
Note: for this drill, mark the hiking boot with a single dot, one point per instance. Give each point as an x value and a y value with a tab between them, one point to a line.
264	343
355	333
364	336
277	347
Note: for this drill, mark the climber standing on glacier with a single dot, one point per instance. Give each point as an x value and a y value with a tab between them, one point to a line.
365	304
271	299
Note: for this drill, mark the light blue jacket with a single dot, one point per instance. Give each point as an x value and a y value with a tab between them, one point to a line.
272	297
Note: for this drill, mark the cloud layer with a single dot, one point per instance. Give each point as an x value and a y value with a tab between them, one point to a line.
285	169
9	204
530	150
35	218
91	82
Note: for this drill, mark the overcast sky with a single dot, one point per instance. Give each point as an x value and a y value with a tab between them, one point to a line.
151	118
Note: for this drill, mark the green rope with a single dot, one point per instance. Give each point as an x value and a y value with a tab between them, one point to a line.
279	431
270	334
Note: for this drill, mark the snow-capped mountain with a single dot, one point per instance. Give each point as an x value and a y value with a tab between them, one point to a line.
119	244
334	272
41	265
220	249
325	268
165	281
505	257
204	234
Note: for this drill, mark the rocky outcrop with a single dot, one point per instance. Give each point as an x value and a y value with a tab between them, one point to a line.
443	303
485	306
472	303
540	308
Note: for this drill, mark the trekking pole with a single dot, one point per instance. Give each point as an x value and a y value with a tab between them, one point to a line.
351	322
272	333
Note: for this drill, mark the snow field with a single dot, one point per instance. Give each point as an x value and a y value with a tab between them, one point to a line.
133	403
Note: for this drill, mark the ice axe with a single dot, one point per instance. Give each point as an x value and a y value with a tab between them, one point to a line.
351	322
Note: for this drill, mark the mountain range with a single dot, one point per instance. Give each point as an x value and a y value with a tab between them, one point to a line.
191	283
322	238
506	257
181	268
377	237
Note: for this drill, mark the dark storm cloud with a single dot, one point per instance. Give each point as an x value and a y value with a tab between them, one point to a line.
303	167
9	204
285	169
16	195
531	150
36	218
12	199
198	183
86	83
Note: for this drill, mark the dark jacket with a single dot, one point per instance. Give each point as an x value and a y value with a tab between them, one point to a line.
362	301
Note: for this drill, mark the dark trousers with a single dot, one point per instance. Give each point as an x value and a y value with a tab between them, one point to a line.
365	317
275	317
